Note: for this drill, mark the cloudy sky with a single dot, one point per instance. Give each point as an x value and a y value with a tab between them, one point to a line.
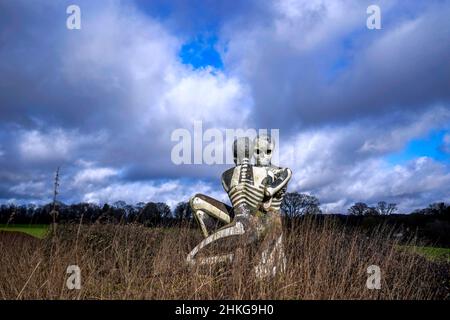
363	115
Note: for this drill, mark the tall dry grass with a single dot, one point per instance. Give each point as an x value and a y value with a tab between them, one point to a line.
325	261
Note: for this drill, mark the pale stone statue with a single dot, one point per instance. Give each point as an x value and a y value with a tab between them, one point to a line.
255	192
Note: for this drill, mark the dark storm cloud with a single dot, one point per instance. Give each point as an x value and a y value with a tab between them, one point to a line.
405	66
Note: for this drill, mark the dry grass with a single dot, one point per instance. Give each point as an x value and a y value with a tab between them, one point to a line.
325	261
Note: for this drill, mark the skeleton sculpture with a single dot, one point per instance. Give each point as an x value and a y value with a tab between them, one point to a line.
272	255
256	193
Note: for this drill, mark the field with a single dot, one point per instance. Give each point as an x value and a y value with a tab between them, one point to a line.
325	261
35	230
431	253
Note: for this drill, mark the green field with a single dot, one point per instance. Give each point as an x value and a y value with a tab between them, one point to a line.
431	253
35	230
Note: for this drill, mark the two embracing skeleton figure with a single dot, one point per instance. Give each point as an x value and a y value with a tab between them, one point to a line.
253	221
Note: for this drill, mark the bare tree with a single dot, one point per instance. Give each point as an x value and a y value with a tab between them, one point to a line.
439	208
384	208
297	204
54	212
392	208
164	210
183	211
358	209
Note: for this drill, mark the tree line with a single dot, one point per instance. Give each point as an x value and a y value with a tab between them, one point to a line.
431	223
158	213
148	214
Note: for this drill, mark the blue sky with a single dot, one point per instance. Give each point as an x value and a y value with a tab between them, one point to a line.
431	146
200	52
363	115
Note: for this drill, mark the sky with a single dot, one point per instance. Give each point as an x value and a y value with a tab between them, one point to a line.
363	114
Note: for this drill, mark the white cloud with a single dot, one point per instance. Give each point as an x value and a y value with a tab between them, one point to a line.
134	58
418	126
204	95
171	192
54	144
32	189
94	175
35	145
329	164
306	24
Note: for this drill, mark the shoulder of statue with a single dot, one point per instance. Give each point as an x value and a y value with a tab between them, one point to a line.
229	171
227	174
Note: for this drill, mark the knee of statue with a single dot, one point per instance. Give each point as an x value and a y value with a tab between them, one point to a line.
195	201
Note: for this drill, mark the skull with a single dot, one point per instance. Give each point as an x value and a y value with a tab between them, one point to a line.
263	150
242	149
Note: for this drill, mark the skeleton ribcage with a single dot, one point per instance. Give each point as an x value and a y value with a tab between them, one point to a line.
247	191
